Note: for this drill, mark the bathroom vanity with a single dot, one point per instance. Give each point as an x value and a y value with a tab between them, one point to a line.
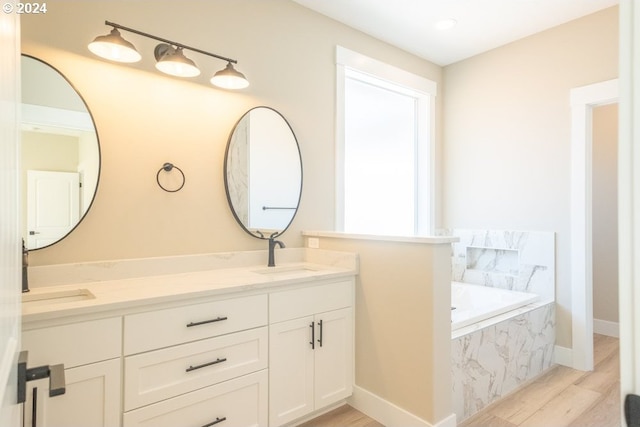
235	345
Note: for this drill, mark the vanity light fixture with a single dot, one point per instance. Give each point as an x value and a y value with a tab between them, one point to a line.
169	56
114	47
172	61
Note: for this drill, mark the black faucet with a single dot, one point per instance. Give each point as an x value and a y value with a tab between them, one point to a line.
272	247
25	264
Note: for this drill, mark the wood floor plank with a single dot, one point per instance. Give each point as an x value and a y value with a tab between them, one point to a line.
606	372
486	419
342	417
603	346
563	410
605	413
519	406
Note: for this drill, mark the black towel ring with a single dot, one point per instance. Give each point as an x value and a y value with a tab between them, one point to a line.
168	167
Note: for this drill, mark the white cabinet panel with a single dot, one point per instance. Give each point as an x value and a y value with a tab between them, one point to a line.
290	370
334	358
161	374
163	328
91	399
241	402
301	302
311	357
74	344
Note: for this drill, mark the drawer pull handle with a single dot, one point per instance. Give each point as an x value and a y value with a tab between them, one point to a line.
204	322
218	420
204	365
313	336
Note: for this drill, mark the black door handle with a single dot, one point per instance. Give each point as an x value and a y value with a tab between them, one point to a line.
320	339
313	336
632	410
55	373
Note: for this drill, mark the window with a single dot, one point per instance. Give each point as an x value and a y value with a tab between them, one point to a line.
384	148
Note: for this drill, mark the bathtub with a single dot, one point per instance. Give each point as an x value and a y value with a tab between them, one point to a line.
474	303
500	339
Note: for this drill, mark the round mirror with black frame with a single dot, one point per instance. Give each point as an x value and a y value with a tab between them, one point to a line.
263	173
60	155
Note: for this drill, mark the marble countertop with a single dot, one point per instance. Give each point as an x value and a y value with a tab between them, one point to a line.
95	296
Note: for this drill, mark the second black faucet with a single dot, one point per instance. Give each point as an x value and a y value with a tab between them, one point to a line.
272	248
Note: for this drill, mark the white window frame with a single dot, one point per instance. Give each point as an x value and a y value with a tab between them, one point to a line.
425	91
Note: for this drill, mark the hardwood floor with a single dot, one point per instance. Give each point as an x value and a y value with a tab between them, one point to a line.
562	397
344	416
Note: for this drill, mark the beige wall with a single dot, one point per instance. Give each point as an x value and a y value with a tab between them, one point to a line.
605	213
507	124
403	351
145	118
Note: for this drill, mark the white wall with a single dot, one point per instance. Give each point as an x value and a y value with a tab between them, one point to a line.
605	213
145	118
507	124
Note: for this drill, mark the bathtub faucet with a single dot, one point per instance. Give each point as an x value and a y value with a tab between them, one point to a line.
272	248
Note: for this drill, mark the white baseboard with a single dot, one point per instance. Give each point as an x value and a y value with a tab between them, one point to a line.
605	327
388	413
563	356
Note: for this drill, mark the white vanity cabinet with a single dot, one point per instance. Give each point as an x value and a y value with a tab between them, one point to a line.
311	349
90	352
200	364
192	350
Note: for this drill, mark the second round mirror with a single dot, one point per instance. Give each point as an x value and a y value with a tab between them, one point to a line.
263	173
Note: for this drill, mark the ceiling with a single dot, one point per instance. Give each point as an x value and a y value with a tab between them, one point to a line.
481	24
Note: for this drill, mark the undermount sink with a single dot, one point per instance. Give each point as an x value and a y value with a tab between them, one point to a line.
287	270
58	297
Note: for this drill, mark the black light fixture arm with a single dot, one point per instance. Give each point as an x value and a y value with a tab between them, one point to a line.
176	44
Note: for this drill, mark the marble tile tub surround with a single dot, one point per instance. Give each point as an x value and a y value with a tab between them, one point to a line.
507	259
493	361
61	274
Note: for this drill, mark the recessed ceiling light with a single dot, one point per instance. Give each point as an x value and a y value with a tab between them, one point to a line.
445	24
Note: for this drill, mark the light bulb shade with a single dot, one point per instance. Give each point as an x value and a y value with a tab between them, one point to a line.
114	48
172	61
229	78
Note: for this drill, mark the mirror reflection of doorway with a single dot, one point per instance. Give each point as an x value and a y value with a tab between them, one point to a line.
53	206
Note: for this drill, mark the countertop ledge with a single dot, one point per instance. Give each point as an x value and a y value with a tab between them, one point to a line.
136	292
429	240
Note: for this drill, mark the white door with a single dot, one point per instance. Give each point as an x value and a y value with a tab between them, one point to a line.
10	245
53	206
333	357
290	370
628	204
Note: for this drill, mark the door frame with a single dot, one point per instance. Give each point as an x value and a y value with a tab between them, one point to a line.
583	100
628	197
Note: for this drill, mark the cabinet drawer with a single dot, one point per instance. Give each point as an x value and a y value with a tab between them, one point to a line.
241	402
302	302
161	374
74	344
163	328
